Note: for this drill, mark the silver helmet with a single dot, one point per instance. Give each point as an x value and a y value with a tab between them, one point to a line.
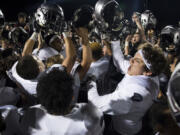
147	17
83	16
167	38
50	17
109	14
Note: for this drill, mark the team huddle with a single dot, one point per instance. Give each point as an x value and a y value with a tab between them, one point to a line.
98	74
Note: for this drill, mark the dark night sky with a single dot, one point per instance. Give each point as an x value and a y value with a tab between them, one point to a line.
166	11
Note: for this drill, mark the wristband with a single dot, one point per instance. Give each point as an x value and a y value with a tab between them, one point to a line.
34	36
126	43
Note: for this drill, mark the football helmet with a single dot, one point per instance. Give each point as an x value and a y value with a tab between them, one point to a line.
50	17
167	38
109	14
147	17
82	16
18	35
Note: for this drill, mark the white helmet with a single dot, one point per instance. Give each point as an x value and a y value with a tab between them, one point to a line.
147	18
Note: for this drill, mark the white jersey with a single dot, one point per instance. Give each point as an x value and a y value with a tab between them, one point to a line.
11	119
8	96
45	52
99	67
84	119
129	102
30	85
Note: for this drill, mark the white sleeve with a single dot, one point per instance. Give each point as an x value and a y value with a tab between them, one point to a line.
113	104
93	119
76	84
12	119
118	57
8	96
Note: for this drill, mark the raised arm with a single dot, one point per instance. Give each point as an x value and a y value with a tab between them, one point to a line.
70	52
118	57
141	29
127	41
28	47
87	54
113	104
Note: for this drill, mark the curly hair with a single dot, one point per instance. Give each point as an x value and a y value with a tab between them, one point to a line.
55	92
7	59
97	52
155	56
27	67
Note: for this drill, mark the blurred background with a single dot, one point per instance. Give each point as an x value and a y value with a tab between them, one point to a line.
166	11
